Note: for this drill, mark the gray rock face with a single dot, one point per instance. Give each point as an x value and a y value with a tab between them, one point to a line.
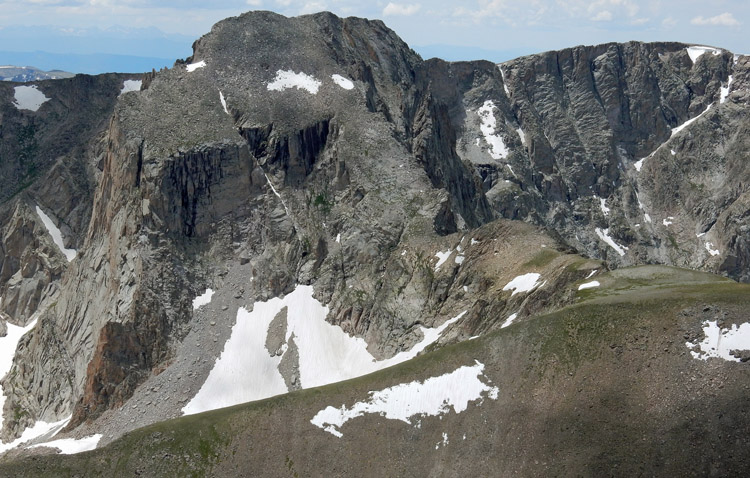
319	150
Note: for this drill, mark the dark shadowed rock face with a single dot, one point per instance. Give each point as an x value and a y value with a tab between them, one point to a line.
323	151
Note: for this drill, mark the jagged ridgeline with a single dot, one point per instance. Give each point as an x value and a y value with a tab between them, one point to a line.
306	201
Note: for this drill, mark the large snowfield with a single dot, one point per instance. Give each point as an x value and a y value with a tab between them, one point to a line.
247	370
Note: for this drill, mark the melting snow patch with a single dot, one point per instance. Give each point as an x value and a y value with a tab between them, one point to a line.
672	151
433	397
603	205
442	257
223	102
589	285
523	283
194	66
71	446
711	250
203	299
247	371
498	150
130	85
604	236
509	320
592	274
521	135
289	79
474	242
694	52
345	83
338	239
639	164
647	218
725	91
505	86
39	430
69	254
460	259
667	221
720	342
29	98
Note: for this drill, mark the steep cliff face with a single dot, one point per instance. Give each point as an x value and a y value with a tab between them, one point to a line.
319	151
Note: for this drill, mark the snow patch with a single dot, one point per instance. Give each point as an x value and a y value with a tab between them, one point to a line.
53	230
719	342
523	283
433	397
509	320
604	236
28	98
442	257
40	429
460	259
71	446
247	371
695	52
223	102
505	85
592	274
474	242
497	150
338	239
203	299
521	135
711	250
603	205
289	79
672	151
589	285
130	85
668	221
345	83
639	164
194	66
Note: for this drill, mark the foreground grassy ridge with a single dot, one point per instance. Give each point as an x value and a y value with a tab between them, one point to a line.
598	384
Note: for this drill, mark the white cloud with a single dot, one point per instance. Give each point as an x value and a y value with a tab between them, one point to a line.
726	19
313	7
254	3
399	9
669	22
603	16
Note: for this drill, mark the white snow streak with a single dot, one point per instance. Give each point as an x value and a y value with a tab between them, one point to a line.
509	320
247	371
505	86
589	285
523	283
604	236
203	299
435	396
497	150
720	342
521	135
194	66
276	193
223	102
69	254
689	122
639	164
71	446
667	221
592	274
711	250
289	79
345	83
725	91
28	98
130	85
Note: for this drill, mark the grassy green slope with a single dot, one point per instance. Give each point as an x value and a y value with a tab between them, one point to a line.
605	387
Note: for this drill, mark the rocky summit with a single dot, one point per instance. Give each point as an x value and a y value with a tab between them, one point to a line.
306	251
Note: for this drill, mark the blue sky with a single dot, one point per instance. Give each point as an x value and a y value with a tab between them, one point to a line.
491	29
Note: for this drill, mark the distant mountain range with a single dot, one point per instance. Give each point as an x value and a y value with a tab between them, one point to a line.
30	73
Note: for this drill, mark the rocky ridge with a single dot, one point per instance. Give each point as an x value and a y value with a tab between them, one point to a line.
323	151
